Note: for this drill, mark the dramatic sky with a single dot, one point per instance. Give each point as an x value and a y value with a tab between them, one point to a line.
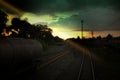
64	16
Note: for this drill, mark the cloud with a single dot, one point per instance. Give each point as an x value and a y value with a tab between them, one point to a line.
51	6
40	6
99	18
33	18
97	14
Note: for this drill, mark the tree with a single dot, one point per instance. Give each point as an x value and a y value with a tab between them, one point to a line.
20	28
23	29
26	30
109	36
3	20
41	31
99	37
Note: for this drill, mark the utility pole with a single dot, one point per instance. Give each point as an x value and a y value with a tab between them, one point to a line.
82	29
92	33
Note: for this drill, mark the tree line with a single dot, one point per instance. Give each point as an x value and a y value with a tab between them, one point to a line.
23	29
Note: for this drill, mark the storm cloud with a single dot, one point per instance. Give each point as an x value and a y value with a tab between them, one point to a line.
97	14
61	5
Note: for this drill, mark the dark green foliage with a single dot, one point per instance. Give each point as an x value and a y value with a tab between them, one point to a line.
3	20
23	29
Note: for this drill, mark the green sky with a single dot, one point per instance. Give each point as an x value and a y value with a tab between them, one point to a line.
98	15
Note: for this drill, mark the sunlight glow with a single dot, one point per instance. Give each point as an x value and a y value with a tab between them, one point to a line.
5	33
10	17
64	32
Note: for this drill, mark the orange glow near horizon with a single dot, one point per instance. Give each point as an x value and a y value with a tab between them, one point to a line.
70	33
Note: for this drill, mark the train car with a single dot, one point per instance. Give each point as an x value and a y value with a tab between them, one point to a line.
18	55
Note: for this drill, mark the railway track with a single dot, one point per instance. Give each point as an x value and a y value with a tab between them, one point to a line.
40	64
86	71
53	59
83	72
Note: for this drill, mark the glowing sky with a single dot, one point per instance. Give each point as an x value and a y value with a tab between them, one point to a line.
64	16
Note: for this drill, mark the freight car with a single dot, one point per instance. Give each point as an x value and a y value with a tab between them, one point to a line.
17	55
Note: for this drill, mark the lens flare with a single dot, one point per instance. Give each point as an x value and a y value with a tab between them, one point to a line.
84	50
11	8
